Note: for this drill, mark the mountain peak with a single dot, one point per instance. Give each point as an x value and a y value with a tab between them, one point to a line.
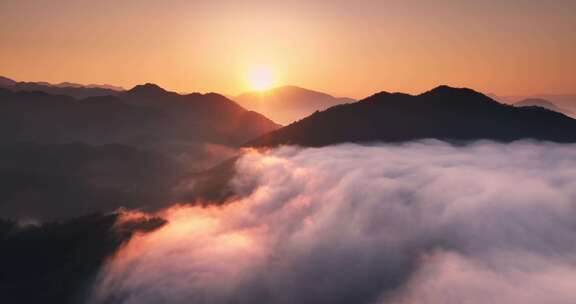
445	113
461	96
385	94
149	94
291	88
441	92
147	88
288	103
445	90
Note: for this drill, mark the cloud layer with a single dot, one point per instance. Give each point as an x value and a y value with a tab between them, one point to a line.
423	222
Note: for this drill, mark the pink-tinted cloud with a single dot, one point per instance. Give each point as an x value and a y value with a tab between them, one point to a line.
423	222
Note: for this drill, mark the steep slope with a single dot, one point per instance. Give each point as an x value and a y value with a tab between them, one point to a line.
288	103
5	81
442	113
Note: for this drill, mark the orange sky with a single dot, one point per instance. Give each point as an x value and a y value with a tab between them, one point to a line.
347	48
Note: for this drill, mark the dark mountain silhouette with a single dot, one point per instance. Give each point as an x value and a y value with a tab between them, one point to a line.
66	180
288	103
64	156
208	117
57	262
146	115
539	102
443	113
149	94
44	118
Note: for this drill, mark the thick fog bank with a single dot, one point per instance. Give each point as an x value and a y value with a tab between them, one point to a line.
422	222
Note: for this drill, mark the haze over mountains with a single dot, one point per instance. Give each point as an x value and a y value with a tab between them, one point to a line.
207	152
539	102
287	104
563	102
101	153
97	153
79	152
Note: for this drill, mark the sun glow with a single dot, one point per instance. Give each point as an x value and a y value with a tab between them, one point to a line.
260	78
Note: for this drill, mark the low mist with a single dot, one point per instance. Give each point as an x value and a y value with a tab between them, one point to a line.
422	222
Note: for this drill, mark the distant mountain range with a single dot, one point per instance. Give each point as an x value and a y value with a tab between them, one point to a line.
65	88
455	114
561	101
288	103
77	85
539	102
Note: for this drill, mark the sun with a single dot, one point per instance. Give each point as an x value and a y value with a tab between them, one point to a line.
260	78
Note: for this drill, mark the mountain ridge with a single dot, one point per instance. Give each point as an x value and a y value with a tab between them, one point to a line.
444	113
93	150
65	88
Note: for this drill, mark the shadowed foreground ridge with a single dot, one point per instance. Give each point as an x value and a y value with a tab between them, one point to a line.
57	262
443	113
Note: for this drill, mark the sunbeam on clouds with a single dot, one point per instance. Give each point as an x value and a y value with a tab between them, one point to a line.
423	222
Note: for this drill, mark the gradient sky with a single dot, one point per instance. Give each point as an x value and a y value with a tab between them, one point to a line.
344	47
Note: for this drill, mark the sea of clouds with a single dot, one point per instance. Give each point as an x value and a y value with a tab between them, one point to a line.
421	222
